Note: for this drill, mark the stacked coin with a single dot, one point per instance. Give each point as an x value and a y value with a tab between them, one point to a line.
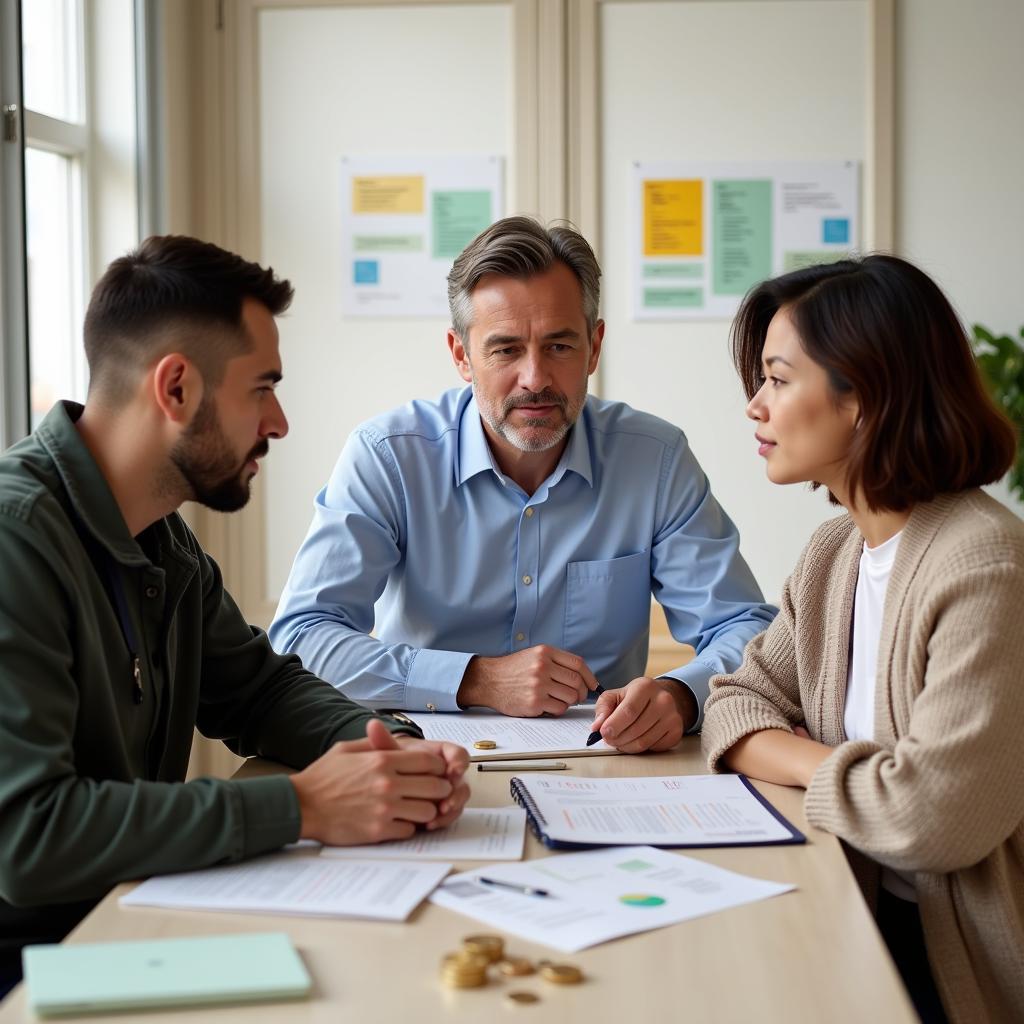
468	967
490	946
485	744
464	970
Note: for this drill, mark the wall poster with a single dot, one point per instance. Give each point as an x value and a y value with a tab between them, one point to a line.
703	233
404	221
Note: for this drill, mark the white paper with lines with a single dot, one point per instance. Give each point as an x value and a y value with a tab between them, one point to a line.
479	833
676	810
565	736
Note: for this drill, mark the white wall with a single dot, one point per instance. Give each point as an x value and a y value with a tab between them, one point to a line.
761	80
959	191
960	153
797	69
347	81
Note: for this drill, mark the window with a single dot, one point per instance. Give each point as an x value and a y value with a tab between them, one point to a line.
77	85
56	153
56	273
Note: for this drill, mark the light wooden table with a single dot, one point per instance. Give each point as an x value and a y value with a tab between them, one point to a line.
811	956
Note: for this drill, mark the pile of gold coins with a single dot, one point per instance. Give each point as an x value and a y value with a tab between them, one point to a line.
469	966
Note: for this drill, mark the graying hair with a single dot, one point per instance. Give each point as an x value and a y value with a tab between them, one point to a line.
521	247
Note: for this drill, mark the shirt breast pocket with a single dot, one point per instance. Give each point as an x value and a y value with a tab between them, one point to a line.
607	606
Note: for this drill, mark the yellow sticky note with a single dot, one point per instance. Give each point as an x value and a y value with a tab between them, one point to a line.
388	193
673	217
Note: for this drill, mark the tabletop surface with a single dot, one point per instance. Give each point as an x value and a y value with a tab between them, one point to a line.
806	956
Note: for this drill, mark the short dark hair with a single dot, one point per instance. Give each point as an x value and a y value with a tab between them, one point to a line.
521	247
884	332
173	292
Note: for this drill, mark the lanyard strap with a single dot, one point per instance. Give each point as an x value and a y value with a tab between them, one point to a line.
127	628
116	592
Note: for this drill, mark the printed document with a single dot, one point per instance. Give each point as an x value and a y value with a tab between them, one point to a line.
480	833
598	895
565	735
683	810
284	883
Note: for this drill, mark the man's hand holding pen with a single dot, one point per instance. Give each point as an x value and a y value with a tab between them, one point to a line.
645	714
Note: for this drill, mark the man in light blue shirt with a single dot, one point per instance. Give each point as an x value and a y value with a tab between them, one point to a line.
511	534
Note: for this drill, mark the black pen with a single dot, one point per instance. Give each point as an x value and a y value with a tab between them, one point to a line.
526	890
596	734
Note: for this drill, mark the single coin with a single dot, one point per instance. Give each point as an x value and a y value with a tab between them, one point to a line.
521	998
562	974
490	946
485	744
515	966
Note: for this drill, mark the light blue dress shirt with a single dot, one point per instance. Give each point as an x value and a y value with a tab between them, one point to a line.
419	525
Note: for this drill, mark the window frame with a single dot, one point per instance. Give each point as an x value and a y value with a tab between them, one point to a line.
101	231
14	387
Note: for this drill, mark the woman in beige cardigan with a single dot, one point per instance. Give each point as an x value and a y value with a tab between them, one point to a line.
891	685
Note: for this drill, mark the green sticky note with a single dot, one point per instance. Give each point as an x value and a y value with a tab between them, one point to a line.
799	260
673	298
458	217
387	243
742	225
688	271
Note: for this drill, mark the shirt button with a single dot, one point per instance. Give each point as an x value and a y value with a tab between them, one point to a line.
151	591
529	513
520	637
527	580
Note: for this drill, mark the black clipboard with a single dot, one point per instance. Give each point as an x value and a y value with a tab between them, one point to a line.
539	826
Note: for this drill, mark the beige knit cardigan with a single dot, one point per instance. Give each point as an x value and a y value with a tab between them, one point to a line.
940	791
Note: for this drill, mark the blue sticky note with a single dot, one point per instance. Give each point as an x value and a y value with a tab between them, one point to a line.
366	271
836	229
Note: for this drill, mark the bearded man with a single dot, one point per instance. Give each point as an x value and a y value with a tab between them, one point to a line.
118	639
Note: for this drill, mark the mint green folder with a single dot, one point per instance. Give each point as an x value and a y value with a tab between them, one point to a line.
103	976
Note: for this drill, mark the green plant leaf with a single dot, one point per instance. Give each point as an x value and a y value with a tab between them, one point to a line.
1001	361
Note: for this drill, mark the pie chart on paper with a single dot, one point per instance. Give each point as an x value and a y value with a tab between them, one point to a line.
641	899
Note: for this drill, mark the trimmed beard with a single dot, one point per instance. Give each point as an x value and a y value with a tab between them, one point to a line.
209	467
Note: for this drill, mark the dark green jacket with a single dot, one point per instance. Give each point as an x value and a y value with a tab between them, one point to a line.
91	789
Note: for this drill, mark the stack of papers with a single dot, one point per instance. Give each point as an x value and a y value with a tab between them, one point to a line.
599	895
285	883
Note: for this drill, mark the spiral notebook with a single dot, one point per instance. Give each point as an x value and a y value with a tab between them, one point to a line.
679	810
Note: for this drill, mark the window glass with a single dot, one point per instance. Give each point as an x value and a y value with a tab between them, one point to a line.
55	275
51	58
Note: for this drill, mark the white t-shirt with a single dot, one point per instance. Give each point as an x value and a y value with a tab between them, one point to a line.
859	713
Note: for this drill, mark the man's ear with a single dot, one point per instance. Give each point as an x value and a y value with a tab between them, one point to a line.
460	356
596	340
177	387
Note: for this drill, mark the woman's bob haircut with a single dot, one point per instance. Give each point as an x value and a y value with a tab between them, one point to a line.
883	331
